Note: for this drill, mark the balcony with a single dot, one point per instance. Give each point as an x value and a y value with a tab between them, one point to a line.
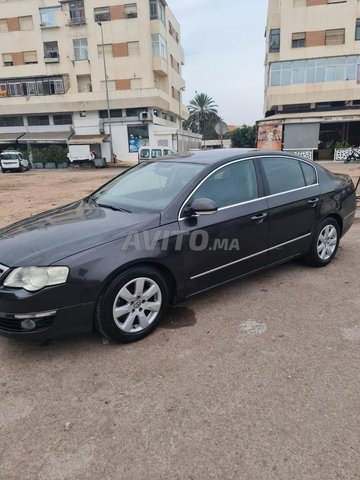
52	57
76	21
160	67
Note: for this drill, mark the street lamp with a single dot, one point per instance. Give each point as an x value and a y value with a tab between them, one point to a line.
107	93
180	102
180	118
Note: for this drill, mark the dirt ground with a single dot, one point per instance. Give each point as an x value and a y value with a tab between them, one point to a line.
256	380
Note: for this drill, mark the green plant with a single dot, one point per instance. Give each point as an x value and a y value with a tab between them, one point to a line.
341	144
243	137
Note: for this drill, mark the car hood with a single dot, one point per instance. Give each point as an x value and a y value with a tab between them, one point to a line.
51	236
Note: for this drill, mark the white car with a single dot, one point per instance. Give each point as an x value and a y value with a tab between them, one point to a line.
152	153
13	161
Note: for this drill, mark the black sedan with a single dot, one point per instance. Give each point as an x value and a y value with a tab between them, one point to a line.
161	232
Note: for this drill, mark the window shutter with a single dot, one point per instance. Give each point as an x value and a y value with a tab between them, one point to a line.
30	57
133	48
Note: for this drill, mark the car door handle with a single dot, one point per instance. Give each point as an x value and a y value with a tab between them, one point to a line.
259	218
313	202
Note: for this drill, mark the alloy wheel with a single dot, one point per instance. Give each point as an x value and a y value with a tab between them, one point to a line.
137	305
327	242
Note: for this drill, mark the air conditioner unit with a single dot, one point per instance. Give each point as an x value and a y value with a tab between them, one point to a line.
145	116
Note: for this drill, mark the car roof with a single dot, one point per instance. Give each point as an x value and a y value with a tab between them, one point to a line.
220	156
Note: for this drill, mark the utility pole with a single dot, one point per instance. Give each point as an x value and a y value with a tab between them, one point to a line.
107	94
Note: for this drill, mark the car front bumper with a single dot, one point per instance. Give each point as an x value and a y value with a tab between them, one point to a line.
39	317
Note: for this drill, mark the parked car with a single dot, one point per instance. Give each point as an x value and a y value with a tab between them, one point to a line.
14	161
149	153
161	232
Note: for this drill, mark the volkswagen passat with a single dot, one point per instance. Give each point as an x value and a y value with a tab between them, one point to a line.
161	232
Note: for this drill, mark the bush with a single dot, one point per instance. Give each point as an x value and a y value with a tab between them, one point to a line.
53	154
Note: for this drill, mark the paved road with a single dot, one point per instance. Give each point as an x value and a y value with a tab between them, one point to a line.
257	380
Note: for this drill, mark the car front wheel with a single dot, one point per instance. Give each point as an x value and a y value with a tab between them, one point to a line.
132	305
325	244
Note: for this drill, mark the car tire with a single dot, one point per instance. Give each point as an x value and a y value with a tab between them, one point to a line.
325	243
3	170
122	314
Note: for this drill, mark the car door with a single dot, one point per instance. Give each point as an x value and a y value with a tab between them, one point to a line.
293	196
233	241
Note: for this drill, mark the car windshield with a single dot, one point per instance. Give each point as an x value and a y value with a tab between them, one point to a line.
149	187
9	156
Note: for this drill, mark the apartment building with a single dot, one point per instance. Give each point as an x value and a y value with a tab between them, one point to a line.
52	80
312	85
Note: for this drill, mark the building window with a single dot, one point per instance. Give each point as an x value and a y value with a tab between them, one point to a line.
11	121
157	10
63	119
138	136
7	60
3	25
298	40
159	46
130	10
30	57
274	40
26	23
135	112
48	16
357	30
102	14
15	89
31	86
77	12
38	120
80	48
51	50
133	48
316	70
116	113
335	37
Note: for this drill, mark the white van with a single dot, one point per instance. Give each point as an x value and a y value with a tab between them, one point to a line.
13	161
152	153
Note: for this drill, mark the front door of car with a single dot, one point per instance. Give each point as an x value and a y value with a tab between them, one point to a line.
232	242
293	196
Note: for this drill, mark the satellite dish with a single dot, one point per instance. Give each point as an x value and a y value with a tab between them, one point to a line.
221	128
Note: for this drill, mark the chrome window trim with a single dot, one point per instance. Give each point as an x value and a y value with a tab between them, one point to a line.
250	256
180	218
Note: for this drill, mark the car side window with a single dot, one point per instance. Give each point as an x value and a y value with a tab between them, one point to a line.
283	174
156	153
309	174
232	184
145	153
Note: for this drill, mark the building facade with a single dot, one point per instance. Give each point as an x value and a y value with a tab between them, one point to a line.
52	80
312	84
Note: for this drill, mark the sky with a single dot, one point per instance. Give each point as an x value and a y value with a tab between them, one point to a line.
224	54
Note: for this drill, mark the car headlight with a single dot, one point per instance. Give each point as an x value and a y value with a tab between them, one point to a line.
36	278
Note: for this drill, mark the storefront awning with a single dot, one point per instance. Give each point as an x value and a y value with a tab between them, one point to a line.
87	139
45	137
6	138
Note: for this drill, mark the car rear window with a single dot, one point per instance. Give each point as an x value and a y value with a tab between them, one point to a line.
9	156
145	153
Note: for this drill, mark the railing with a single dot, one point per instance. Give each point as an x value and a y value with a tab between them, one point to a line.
341	154
307	153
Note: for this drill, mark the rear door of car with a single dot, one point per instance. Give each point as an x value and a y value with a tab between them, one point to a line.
232	242
293	195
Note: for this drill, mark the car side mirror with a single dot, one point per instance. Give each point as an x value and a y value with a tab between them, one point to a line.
202	206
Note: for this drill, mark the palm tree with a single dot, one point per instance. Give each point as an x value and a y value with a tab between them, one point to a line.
203	112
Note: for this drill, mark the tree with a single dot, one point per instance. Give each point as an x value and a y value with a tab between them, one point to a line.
243	137
203	114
